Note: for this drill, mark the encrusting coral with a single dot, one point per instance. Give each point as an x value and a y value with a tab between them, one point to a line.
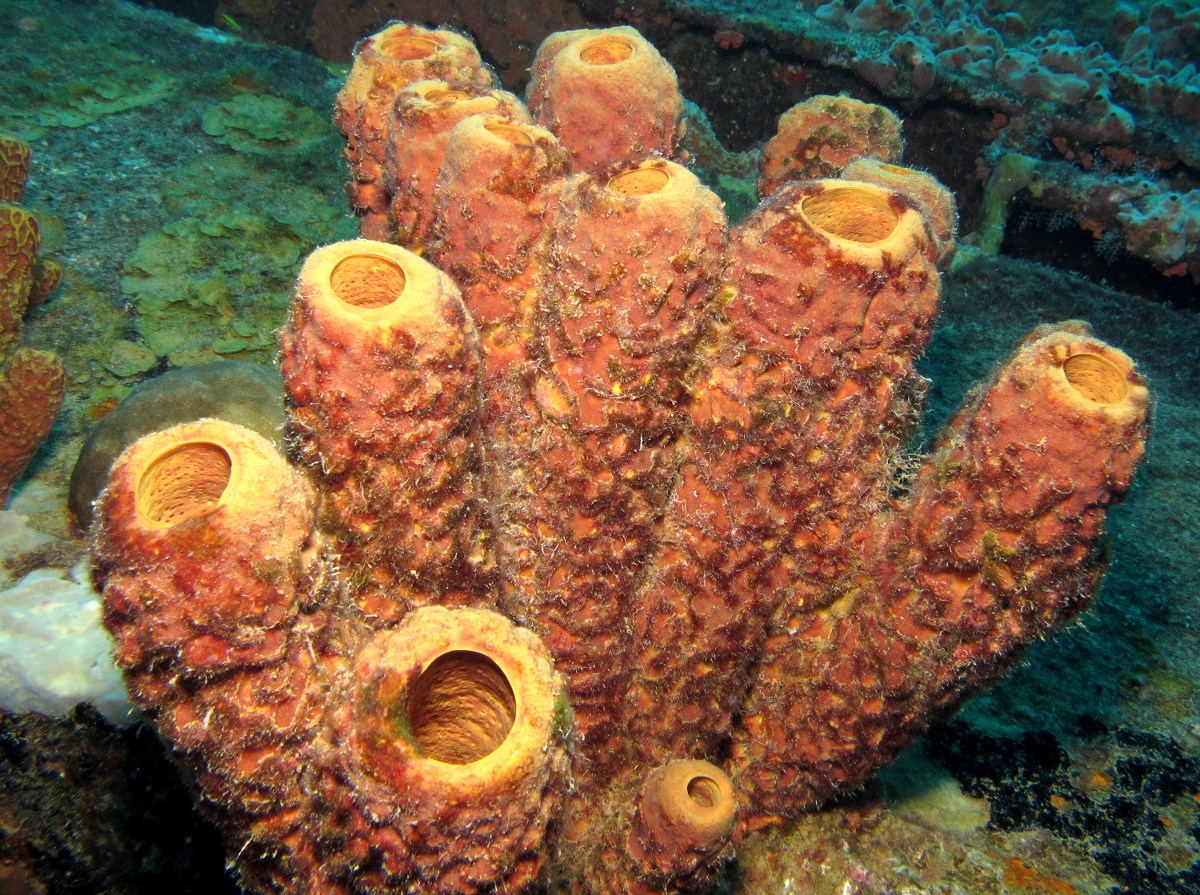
32	383
596	555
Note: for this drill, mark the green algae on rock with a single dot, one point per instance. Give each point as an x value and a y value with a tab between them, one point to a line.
264	125
49	97
214	280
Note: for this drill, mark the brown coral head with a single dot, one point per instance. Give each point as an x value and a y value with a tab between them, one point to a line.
14	168
19	239
32	384
606	49
185	482
685	816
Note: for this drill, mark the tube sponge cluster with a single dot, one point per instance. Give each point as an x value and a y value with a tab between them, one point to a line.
590	557
32	383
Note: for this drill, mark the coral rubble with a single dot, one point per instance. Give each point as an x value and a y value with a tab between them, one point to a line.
597	553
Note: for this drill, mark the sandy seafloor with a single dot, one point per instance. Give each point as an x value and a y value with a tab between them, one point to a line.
181	174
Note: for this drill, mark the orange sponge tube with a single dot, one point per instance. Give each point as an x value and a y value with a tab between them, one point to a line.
607	94
593	473
495	187
820	136
419	126
831	295
384	64
381	363
455	729
997	544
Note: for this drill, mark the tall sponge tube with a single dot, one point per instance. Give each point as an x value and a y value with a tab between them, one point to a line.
380	362
607	94
206	554
202	541
997	543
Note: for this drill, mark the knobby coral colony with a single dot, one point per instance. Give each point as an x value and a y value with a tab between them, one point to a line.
590	560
